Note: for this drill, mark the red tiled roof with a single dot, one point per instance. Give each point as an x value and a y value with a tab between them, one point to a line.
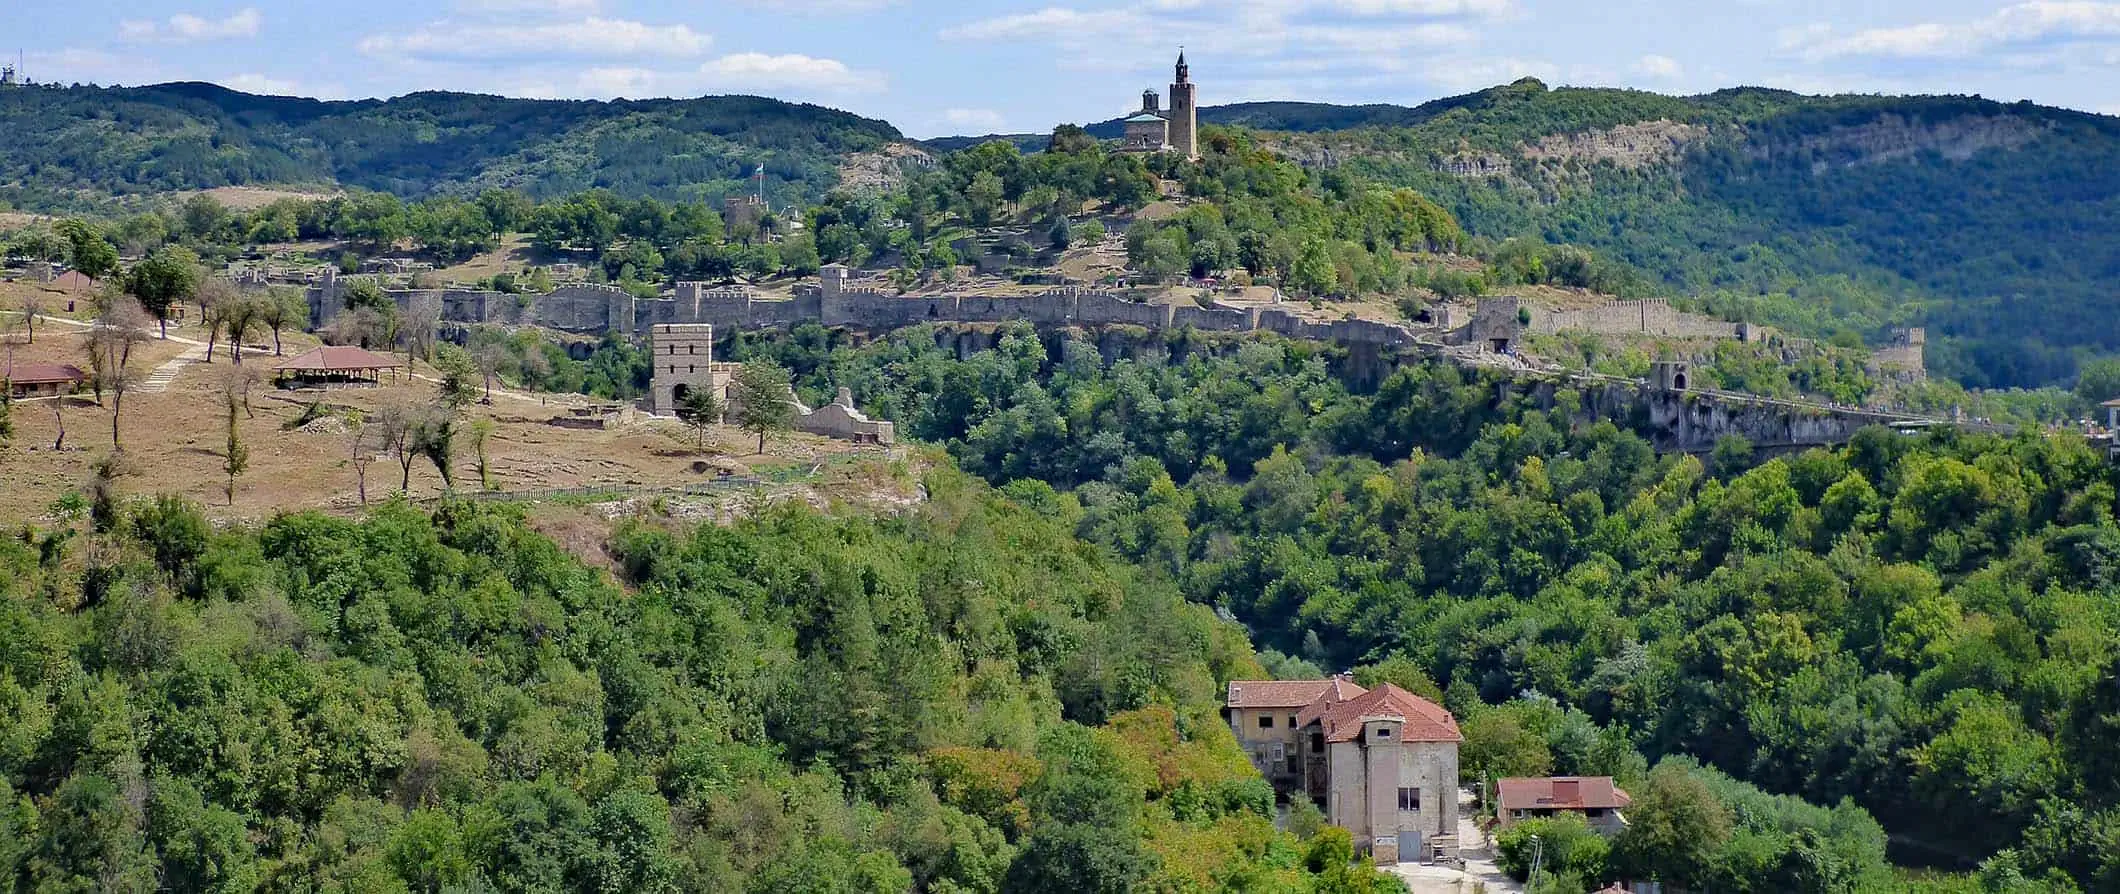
338	358
1288	693
1561	793
1423	720
74	279
42	373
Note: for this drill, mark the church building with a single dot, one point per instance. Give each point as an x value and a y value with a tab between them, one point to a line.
1152	129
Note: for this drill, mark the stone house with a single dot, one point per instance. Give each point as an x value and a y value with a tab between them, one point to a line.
1595	798
42	379
1382	763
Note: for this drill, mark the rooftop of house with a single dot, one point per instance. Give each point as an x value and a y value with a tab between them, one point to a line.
2115	402
1289	693
1561	793
1420	720
1144	118
42	373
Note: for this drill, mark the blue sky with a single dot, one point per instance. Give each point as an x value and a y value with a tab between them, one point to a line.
981	66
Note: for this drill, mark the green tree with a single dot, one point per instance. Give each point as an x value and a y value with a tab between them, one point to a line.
1564	844
1313	272
281	308
2098	381
1497	745
87	250
1674	828
459	384
236	457
162	279
761	397
699	409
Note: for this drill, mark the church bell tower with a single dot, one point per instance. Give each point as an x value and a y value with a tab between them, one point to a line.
1184	120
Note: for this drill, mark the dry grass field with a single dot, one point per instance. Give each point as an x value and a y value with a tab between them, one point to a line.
174	441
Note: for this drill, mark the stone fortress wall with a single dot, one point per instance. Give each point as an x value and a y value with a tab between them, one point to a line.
595	309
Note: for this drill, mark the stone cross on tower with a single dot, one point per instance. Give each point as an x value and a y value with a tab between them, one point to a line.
1184	119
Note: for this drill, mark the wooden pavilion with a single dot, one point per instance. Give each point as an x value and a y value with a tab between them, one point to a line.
335	366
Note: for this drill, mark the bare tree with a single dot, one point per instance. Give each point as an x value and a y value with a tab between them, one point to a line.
417	329
119	330
59	422
33	304
360	454
490	357
362	326
237	385
398	431
215	297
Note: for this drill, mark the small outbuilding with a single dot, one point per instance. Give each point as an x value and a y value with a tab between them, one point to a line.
1594	798
42	379
335	366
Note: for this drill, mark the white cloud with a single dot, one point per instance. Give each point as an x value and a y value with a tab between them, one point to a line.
2036	22
1053	23
262	85
792	75
821	7
1427	8
1659	67
593	37
975	120
791	71
561	7
185	27
1250	46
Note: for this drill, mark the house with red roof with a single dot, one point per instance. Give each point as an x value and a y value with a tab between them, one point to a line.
1594	798
1381	763
42	379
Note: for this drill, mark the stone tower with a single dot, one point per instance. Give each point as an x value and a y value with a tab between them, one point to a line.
1184	119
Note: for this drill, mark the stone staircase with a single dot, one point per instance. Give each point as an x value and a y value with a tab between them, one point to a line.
159	380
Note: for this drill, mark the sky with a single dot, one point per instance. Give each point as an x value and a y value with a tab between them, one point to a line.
986	66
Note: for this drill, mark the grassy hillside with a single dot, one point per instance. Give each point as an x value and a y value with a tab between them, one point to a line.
1983	221
62	147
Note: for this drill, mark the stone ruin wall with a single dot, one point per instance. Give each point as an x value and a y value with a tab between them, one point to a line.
1653	316
594	309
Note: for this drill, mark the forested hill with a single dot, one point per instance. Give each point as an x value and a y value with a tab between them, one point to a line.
66	146
1986	222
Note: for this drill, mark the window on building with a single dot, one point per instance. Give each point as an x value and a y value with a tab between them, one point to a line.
691	349
1409	799
1384	732
1594	812
1317	743
1266	721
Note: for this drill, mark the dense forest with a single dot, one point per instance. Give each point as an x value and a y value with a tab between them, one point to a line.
67	147
1982	221
1923	626
960	698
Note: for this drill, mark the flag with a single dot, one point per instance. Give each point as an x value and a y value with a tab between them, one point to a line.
759	174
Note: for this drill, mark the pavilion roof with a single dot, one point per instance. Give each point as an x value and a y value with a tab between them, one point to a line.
338	358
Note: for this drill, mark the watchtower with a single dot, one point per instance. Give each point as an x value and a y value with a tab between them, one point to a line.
1184	128
682	357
